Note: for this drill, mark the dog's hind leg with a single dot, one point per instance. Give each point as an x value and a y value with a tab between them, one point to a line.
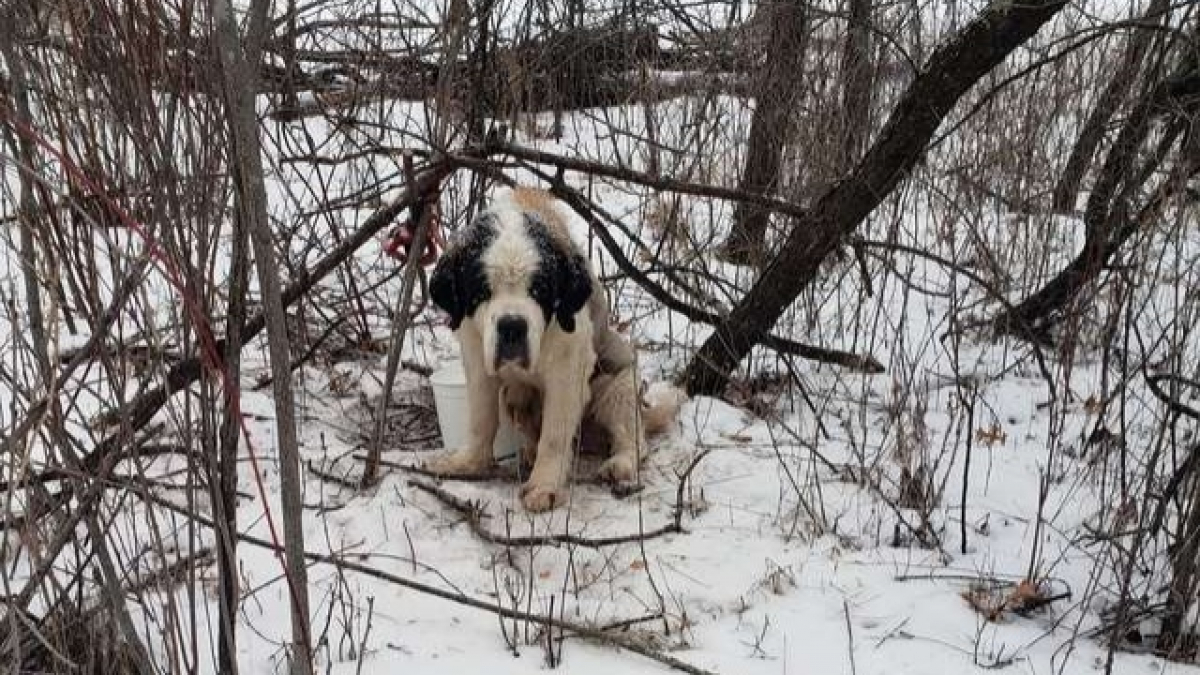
618	407
615	407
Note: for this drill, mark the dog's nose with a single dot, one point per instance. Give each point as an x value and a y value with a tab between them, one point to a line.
512	329
511	342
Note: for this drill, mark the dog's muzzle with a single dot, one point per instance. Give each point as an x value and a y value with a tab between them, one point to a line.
512	341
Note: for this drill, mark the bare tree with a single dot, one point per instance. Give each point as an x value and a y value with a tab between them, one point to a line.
776	86
952	69
855	122
223	467
1110	100
24	149
1114	213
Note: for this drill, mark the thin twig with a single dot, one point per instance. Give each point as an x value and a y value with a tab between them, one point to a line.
362	647
849	637
422	212
494	474
475	514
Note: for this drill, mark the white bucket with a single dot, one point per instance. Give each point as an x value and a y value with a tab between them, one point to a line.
450	399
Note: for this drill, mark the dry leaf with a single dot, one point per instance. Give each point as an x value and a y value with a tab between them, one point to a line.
993	601
990	436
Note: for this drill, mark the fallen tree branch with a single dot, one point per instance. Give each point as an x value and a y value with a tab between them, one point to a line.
617	89
496	473
582	630
474	513
662	183
1173	404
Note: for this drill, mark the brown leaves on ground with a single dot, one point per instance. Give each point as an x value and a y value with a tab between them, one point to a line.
994	599
991	436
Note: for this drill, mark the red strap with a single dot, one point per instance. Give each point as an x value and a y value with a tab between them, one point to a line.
400	239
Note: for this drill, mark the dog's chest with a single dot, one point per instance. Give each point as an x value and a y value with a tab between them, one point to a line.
513	376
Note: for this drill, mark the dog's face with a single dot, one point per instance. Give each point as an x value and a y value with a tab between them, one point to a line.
507	273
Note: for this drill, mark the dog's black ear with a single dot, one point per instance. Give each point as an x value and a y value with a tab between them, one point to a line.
458	284
445	287
574	289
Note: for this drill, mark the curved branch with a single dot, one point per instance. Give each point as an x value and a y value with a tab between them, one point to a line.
1173	404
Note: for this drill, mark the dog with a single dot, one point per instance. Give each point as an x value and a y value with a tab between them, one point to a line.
537	346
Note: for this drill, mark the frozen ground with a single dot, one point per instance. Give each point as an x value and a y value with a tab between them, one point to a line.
755	584
789	561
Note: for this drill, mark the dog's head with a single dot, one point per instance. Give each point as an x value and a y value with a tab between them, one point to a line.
512	277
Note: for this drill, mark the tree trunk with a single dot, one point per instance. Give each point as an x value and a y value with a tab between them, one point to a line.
1174	640
1067	189
776	87
223	468
1107	217
950	72
856	85
238	81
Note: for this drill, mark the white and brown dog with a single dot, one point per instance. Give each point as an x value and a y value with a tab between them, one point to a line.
537	346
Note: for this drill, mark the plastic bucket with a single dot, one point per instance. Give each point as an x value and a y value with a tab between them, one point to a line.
449	384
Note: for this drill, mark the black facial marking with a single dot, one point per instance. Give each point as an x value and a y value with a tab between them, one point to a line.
543	285
576	289
458	284
561	285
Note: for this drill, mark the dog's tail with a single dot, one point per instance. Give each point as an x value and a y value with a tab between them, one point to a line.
660	407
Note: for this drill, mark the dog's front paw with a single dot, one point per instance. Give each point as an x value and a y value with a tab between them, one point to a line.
466	462
538	496
618	469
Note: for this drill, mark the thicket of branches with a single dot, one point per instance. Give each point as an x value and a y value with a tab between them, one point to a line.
157	223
